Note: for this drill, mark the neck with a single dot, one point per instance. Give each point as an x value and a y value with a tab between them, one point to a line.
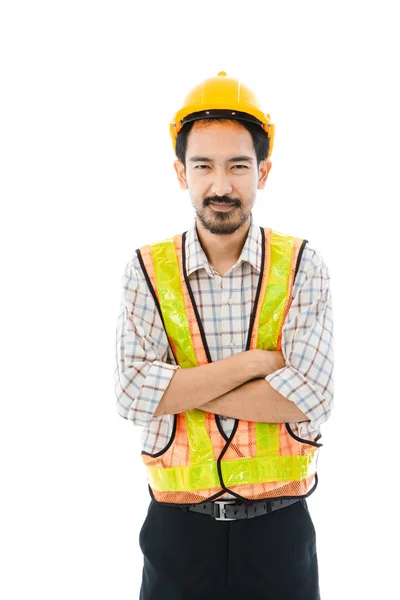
222	249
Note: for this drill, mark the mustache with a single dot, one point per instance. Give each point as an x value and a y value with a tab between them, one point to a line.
221	200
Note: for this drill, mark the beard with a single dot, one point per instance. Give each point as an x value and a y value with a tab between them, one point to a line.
219	222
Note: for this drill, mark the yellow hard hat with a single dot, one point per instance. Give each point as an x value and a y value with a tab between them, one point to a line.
222	96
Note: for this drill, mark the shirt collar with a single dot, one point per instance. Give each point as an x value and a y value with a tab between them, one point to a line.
197	259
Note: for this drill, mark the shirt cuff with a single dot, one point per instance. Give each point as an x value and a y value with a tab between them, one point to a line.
295	387
157	380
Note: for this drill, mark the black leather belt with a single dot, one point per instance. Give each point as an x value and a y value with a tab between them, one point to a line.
230	510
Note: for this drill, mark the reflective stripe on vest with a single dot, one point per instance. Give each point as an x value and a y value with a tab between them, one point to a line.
270	465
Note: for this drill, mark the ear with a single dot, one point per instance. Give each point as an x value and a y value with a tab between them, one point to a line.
264	169
180	171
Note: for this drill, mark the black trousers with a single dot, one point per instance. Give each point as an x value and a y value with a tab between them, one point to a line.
190	556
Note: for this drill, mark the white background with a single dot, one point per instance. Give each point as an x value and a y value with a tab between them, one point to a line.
87	93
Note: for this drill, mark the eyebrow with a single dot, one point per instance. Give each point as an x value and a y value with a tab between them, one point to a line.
234	159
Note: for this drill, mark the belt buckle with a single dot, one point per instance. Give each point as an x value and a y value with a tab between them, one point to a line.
222	510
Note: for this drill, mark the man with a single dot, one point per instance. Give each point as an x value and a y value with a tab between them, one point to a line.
225	359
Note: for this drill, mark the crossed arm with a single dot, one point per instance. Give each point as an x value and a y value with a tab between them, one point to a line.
256	400
237	386
234	387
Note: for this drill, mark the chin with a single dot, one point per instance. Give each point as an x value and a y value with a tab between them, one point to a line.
223	225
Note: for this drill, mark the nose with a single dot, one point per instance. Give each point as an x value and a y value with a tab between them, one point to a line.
221	184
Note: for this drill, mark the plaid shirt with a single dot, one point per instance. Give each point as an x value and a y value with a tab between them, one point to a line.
145	363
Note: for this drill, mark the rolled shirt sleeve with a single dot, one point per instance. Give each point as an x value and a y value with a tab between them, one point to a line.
142	373
307	346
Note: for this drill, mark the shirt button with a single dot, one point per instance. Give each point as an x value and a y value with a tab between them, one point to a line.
232	344
230	300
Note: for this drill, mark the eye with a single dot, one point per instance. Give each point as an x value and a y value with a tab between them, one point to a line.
207	167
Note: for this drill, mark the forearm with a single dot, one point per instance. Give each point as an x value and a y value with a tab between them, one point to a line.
191	387
256	401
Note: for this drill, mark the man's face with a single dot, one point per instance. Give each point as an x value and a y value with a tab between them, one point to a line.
221	167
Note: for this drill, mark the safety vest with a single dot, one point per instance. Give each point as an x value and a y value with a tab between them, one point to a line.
200	462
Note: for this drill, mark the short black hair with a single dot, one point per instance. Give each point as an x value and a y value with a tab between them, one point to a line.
258	134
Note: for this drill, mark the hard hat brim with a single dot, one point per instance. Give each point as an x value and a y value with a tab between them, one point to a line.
221	114
268	127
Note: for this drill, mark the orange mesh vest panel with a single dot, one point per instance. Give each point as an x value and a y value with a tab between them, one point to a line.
200	462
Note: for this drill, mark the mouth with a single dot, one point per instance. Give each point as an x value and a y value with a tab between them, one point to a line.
222	206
